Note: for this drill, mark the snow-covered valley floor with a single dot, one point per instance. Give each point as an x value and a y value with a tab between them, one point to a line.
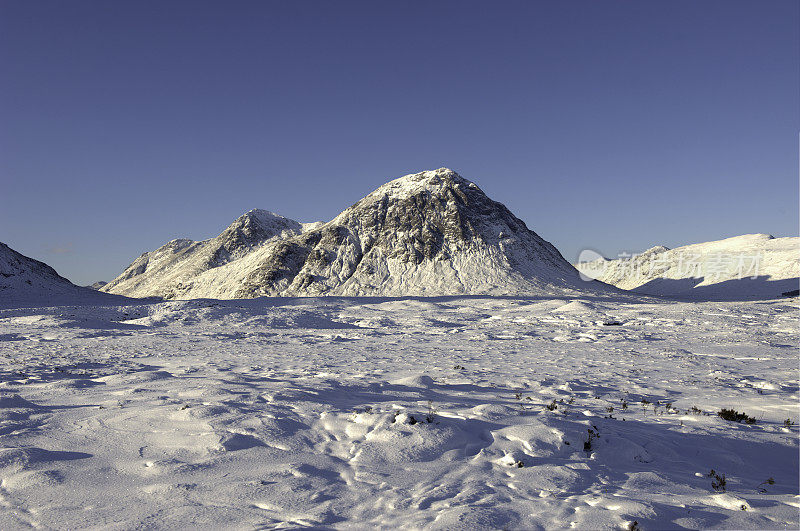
450	413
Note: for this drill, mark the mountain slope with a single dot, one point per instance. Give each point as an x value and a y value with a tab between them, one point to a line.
430	233
24	281
748	267
169	270
18	272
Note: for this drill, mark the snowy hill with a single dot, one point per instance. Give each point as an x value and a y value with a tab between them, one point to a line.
748	267
25	281
430	233
170	270
18	272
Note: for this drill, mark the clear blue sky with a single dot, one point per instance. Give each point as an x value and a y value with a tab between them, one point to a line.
610	125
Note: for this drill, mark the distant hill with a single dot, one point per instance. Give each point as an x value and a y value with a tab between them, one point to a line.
748	267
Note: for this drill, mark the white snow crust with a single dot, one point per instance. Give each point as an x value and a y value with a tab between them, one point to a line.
486	412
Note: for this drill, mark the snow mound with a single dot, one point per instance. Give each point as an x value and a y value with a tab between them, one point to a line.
575	307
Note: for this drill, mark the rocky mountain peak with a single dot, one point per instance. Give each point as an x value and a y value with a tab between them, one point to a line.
253	228
428	215
435	182
428	233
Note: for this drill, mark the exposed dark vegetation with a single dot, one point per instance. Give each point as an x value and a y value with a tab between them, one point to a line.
734	416
718	482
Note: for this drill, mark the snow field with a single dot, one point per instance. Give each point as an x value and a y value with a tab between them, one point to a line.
439	413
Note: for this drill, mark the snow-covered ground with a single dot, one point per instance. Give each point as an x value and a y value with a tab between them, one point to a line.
449	413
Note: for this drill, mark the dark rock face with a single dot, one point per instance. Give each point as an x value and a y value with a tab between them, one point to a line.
248	231
431	233
419	219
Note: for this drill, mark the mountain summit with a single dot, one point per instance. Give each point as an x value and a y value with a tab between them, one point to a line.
429	233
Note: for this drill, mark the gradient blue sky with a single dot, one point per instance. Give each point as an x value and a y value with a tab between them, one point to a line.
609	125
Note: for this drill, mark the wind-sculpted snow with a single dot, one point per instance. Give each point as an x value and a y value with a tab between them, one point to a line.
412	413
748	267
430	233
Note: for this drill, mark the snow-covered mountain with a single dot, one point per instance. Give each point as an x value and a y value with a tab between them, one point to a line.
171	270
17	272
748	267
429	233
24	281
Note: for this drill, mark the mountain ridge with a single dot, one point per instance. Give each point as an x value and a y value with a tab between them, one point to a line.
428	233
748	266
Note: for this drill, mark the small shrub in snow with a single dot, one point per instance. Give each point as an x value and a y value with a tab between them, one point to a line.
593	434
734	416
431	415
768	481
718	482
552	406
788	423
